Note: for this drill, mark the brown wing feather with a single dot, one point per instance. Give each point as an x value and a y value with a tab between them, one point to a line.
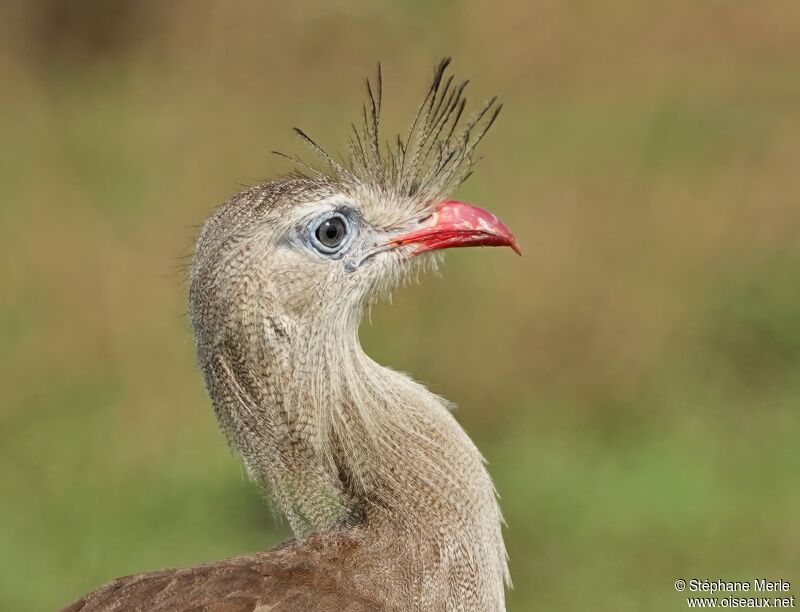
292	577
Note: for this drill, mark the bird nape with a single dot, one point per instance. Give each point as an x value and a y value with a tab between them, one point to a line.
388	497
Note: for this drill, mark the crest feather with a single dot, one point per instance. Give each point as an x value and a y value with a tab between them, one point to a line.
436	155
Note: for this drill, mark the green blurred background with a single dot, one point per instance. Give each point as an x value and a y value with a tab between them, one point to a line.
633	379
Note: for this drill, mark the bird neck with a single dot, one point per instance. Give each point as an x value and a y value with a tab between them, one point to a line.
339	439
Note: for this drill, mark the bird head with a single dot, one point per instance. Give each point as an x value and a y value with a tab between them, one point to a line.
335	235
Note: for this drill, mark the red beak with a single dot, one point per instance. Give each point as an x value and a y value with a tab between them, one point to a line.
458	224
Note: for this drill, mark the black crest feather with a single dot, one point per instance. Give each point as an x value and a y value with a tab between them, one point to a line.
433	158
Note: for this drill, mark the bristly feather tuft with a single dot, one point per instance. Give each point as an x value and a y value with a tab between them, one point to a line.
436	155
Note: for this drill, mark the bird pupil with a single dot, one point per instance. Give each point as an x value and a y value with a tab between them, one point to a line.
331	232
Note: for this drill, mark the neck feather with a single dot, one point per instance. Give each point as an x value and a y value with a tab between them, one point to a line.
339	439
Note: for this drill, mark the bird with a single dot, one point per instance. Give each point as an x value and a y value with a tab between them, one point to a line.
389	500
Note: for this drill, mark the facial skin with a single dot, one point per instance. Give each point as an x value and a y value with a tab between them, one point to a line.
310	257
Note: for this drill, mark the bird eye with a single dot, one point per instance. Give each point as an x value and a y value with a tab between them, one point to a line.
330	234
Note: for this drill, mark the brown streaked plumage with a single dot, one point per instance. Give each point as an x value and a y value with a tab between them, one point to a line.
389	499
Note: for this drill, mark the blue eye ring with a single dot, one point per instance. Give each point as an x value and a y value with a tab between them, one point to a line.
330	234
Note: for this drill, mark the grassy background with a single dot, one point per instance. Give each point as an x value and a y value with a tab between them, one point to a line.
634	379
